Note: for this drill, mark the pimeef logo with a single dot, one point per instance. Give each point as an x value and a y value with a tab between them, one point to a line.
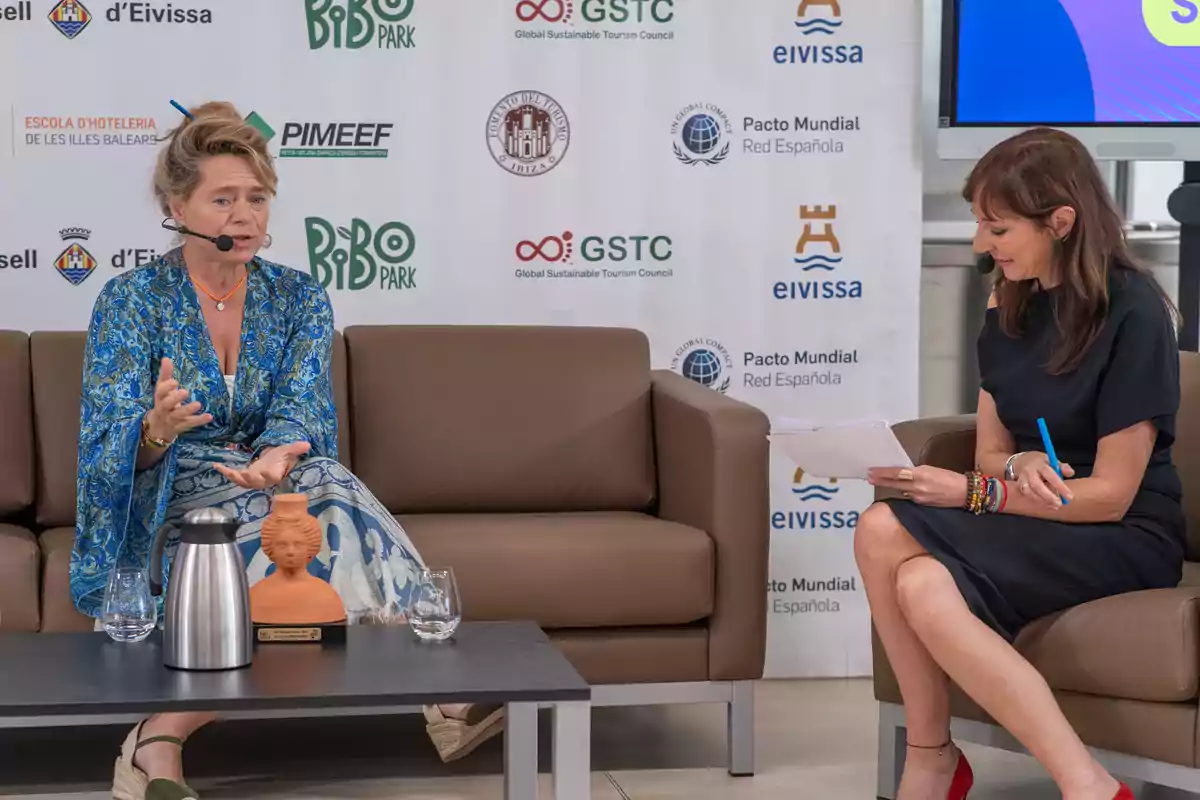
356	24
75	263
358	257
327	139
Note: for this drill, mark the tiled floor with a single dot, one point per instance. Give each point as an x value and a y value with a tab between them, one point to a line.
816	739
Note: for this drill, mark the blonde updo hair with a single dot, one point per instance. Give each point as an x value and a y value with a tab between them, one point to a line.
215	129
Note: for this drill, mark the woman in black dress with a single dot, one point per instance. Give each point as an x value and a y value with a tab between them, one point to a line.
1078	334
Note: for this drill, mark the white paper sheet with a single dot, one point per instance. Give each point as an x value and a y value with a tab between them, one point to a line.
841	450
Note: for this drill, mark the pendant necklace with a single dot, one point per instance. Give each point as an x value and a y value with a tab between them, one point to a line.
220	301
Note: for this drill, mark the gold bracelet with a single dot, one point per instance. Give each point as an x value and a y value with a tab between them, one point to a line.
151	441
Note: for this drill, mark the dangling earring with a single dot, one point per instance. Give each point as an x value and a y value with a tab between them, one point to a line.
267	242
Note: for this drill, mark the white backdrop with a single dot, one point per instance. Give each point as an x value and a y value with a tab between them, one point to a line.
739	180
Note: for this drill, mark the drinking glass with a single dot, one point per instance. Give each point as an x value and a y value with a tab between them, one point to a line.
435	612
129	612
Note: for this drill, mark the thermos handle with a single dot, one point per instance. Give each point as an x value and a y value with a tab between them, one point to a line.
156	559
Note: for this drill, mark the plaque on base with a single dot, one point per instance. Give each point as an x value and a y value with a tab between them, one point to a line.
291	605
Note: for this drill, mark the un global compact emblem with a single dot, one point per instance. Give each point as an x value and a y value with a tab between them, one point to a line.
701	134
705	361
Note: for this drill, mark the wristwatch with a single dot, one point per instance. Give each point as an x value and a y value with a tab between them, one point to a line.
149	440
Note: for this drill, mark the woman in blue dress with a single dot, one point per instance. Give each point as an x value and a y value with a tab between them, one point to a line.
207	383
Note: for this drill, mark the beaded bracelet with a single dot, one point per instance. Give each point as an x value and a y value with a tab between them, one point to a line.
985	494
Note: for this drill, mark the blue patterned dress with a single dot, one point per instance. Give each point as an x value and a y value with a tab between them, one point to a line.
282	393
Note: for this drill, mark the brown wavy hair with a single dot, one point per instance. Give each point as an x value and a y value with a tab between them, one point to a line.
214	129
1030	175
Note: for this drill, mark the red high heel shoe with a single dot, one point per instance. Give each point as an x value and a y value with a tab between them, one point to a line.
964	779
1124	793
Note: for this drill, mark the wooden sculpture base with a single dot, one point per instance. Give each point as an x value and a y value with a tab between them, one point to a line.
325	633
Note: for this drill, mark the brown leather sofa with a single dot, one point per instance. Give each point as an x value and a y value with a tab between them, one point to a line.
624	509
1125	669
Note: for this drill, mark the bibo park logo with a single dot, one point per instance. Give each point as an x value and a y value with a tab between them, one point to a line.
357	24
701	134
705	361
358	257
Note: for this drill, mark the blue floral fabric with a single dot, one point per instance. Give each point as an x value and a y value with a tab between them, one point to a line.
282	393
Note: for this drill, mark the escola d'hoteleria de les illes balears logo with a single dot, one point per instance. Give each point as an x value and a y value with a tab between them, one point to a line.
595	20
359	257
359	24
818	251
75	263
327	139
818	20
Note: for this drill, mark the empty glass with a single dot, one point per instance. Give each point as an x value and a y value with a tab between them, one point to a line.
129	612
435	611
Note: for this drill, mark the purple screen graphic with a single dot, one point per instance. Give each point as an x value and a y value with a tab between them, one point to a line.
1135	78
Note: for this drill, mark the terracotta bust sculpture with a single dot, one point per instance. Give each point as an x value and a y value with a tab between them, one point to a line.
291	537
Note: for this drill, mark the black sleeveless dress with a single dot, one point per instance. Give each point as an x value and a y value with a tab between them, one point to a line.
1013	569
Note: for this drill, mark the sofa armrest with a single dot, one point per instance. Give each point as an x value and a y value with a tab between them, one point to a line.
713	474
947	442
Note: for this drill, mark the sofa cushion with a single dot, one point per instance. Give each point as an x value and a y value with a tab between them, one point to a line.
1140	646
571	570
57	366
58	612
502	418
19	564
16	424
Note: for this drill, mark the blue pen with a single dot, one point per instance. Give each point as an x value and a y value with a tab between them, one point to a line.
1050	450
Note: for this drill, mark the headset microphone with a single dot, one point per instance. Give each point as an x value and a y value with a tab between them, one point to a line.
985	264
223	242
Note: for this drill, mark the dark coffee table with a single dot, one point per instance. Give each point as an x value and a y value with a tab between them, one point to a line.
52	677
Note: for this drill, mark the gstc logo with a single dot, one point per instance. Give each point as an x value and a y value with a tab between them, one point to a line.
818	231
353	24
597	11
1172	22
560	249
811	21
357	265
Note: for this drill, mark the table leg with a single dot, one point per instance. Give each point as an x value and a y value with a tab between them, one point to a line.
520	751
572	750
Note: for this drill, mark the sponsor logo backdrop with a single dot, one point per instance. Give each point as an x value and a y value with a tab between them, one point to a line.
743	186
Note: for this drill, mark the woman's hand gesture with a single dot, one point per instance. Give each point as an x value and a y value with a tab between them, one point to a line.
269	469
1037	479
928	486
170	416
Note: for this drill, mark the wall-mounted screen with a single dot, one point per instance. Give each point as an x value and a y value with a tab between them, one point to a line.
1122	75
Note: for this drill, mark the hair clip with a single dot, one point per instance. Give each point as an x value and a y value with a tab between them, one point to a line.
182	110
